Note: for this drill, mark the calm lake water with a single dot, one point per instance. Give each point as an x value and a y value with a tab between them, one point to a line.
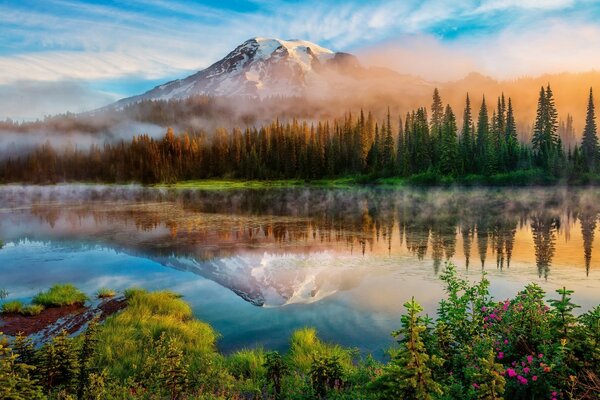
257	264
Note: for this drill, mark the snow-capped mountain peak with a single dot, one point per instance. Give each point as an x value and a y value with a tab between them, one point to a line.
259	67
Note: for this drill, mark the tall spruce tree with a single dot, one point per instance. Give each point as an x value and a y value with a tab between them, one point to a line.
466	139
589	142
483	134
449	147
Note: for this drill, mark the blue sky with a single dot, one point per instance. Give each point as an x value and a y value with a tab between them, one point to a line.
112	49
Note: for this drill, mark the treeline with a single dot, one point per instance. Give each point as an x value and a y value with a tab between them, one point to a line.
477	348
422	142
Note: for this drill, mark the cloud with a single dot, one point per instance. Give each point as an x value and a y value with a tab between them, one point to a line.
549	46
34	99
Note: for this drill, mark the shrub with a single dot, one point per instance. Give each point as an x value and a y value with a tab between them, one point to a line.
105	293
32	309
60	295
14	306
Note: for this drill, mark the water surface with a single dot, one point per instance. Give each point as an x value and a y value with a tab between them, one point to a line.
257	264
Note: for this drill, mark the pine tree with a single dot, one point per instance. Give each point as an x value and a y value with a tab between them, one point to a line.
589	142
483	137
86	355
512	142
409	373
16	381
466	139
449	151
437	121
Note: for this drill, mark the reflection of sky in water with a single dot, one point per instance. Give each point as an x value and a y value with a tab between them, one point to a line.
342	261
361	312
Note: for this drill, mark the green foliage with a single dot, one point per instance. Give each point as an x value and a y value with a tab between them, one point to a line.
58	362
16	381
305	345
276	369
326	373
409	375
477	348
11	307
60	295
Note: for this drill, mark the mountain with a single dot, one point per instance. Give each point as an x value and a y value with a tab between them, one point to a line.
259	67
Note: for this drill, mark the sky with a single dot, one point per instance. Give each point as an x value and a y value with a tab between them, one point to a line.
58	55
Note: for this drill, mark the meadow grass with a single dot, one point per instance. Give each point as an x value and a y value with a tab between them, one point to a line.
60	295
14	306
105	293
305	345
125	337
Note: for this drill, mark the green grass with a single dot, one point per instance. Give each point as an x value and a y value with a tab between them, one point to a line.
224	184
105	293
305	345
60	295
124	337
14	306
32	309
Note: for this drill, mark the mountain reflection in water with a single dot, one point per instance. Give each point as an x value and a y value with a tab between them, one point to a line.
283	246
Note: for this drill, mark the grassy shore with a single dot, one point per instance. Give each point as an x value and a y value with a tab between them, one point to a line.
533	177
477	348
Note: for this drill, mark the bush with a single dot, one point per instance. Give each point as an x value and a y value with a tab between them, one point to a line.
105	293
60	295
32	309
11	307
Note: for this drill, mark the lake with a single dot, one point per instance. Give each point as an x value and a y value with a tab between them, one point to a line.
258	263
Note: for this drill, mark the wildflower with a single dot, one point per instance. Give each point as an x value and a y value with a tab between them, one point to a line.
505	341
511	372
540	355
534	378
493	316
554	394
522	380
476	386
526	370
529	359
500	355
484	308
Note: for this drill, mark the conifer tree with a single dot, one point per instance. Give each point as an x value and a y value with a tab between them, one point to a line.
589	141
449	151
483	133
409	374
466	138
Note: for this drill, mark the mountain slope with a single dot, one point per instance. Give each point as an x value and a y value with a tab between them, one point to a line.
259	67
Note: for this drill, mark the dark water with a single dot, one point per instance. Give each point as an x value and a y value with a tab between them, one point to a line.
257	264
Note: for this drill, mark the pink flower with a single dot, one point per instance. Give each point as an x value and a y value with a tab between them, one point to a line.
476	386
534	378
554	394
529	359
505	341
511	372
526	370
484	308
522	380
485	319
540	355
500	355
493	316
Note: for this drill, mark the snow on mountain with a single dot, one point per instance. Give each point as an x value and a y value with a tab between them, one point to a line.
259	67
